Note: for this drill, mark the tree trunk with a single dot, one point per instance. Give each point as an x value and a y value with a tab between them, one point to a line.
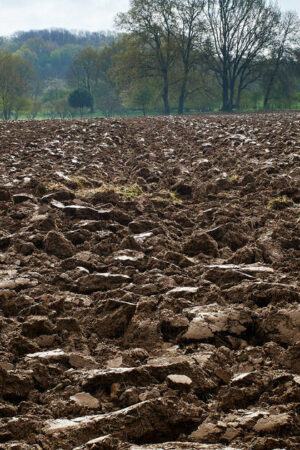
182	93
225	91
272	78
269	88
238	97
231	98
6	114
165	96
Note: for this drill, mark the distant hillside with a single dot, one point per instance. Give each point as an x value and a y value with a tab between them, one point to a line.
51	51
62	37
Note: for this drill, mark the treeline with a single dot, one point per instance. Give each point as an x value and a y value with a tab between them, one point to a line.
60	37
170	56
50	52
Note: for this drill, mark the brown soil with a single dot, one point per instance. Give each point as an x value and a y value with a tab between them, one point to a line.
149	275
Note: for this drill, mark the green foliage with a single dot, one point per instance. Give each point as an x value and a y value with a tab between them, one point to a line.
61	58
140	95
84	70
22	106
58	108
55	93
167	61
16	80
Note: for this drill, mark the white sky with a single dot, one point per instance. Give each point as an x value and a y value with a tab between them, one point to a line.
91	15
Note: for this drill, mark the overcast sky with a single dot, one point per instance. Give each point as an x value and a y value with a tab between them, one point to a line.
92	15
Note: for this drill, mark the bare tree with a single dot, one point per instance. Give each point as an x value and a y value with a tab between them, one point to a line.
152	21
84	71
188	31
241	31
285	41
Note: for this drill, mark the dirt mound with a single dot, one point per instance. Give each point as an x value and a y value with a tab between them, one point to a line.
149	283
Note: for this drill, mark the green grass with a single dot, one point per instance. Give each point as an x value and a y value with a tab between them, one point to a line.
280	203
133	190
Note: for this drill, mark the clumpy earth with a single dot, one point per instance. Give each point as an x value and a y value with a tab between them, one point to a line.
149	283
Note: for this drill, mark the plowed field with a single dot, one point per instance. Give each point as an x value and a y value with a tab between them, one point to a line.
149	283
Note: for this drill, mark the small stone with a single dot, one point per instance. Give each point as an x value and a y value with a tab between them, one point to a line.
211	319
101	281
17	283
88	213
21	345
183	291
115	362
297	379
56	244
45	340
82	361
223	375
37	325
25	248
104	442
282	326
7	410
179	381
272	423
20	198
63	194
15	383
68	324
200	243
230	434
243	379
50	356
115	390
85	399
141	226
207	432
129	256
6	365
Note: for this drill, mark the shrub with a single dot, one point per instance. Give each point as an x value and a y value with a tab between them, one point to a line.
80	98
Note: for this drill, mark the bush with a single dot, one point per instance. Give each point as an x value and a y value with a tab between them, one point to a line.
80	98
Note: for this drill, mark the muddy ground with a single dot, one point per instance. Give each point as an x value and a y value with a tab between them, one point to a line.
149	283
